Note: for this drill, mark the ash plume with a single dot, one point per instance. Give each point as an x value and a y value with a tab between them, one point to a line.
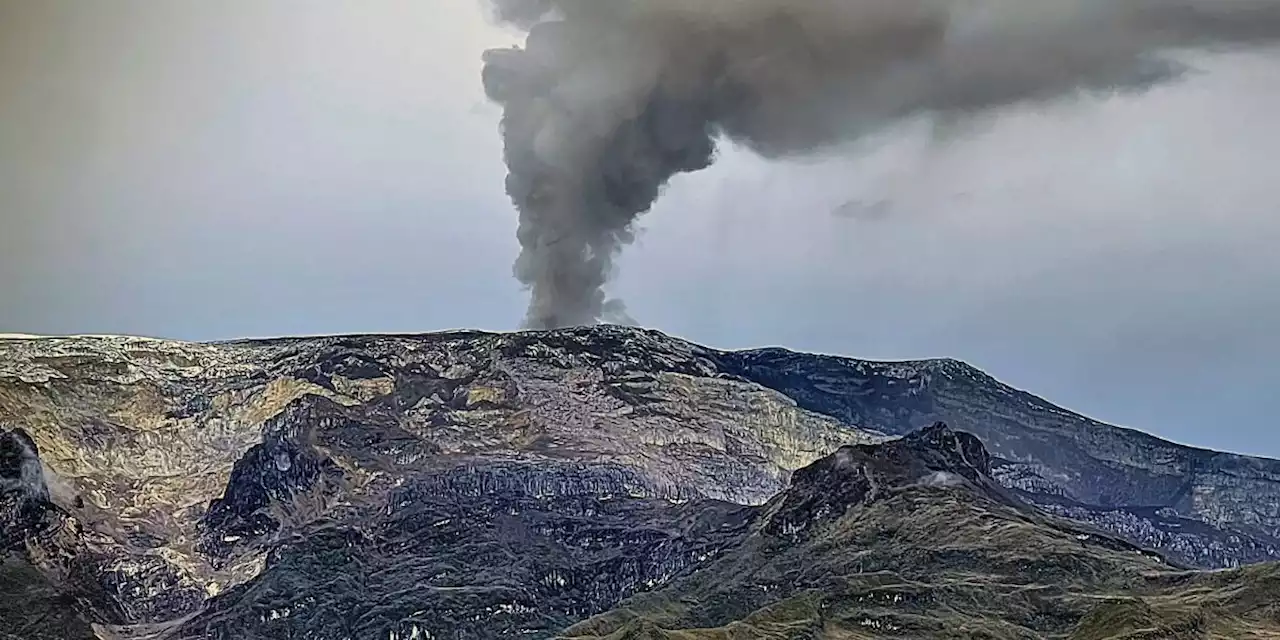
609	99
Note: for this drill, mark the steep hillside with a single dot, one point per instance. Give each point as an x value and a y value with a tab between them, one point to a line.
1203	507
496	484
180	472
913	539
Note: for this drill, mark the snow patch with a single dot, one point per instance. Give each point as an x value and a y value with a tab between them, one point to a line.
96	336
942	479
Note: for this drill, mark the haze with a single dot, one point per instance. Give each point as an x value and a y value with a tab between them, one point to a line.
248	168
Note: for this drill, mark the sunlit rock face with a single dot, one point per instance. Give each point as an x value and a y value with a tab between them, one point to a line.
500	485
498	471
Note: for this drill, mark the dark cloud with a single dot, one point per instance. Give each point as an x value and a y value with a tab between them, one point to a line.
220	170
609	99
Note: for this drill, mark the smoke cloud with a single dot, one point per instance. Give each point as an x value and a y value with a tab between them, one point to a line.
609	99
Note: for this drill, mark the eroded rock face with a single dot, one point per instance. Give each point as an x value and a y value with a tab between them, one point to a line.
912	538
1203	508
23	490
858	475
264	487
192	470
503	550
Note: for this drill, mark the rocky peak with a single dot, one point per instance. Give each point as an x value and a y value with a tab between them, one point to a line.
933	457
1204	508
941	449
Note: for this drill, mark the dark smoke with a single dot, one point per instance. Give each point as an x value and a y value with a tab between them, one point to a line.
609	99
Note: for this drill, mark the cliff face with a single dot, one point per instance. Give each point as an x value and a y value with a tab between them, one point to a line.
914	539
1201	507
518	483
180	472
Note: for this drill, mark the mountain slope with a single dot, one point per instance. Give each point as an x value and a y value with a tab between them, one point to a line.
1206	508
913	539
521	482
180	472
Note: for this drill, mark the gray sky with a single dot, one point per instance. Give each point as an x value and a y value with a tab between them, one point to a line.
247	168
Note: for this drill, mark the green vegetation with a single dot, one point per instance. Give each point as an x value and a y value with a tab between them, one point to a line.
926	562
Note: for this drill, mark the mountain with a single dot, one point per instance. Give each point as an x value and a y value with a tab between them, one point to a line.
478	485
913	538
1204	508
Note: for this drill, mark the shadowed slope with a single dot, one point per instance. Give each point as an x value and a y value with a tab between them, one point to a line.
912	539
510	485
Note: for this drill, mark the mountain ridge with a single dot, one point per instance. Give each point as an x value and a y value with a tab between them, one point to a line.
186	477
936	362
1134	469
956	558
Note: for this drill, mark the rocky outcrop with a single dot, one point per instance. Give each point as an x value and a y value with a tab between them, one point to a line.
191	470
1114	477
913	538
179	490
935	456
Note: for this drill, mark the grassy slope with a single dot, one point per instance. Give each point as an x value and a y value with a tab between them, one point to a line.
946	563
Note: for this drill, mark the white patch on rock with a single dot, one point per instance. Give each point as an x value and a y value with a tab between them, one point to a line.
942	479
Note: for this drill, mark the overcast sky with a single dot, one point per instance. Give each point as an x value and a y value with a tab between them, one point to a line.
208	170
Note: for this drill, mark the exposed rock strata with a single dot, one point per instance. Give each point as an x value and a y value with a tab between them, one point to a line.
192	489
